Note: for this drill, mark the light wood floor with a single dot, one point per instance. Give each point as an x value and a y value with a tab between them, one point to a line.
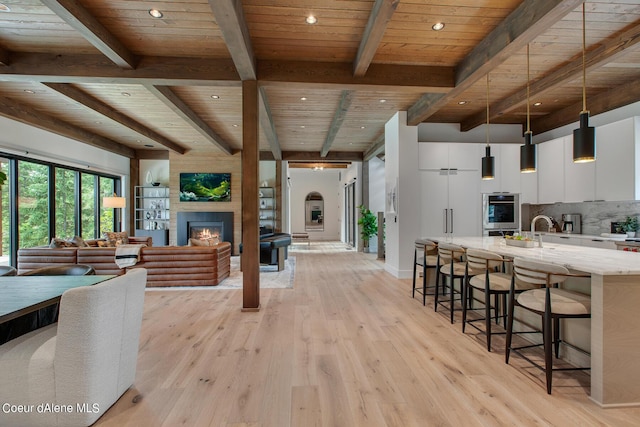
347	346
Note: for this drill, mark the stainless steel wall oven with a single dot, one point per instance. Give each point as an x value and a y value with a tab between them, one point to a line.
500	213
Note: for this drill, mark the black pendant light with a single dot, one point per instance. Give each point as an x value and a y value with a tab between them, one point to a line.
528	150
488	161
584	138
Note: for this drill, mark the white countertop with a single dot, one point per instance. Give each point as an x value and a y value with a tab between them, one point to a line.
580	258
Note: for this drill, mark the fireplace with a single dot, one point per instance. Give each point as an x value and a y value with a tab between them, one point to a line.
206	230
204	225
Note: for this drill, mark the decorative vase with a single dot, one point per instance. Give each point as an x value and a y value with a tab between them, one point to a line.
631	234
149	178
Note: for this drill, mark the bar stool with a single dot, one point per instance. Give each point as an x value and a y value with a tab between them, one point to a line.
423	257
451	265
549	302
491	281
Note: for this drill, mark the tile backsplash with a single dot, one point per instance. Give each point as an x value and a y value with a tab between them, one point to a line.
596	216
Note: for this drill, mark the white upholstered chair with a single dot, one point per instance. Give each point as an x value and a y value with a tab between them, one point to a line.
87	360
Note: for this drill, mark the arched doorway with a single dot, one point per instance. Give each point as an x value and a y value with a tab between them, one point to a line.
314	212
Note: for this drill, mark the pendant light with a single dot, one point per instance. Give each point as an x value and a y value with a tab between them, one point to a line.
584	138
488	161
528	150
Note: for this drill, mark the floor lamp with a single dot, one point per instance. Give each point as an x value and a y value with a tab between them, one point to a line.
116	203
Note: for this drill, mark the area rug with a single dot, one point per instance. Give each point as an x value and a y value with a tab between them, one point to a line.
270	277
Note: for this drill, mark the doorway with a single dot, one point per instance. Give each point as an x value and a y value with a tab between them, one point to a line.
314	212
350	213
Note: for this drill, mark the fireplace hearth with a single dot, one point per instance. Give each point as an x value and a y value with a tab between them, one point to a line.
204	225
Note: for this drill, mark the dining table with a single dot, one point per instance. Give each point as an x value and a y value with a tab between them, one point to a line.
21	295
615	304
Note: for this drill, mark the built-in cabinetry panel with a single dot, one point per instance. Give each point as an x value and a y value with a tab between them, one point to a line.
450	189
551	171
579	240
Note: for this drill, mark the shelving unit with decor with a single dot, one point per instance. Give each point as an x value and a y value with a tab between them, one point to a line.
267	208
152	213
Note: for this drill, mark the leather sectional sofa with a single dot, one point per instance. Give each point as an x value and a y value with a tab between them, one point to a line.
166	265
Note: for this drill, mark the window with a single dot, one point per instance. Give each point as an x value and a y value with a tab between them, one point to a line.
52	200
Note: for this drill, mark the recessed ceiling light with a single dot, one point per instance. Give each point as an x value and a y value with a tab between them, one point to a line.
311	20
156	13
4	8
215	96
437	26
537	104
195	142
125	94
462	102
148	145
301	126
361	127
382	101
235	125
29	91
304	98
302	143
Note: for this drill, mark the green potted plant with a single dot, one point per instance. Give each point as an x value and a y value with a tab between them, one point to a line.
630	225
3	179
368	226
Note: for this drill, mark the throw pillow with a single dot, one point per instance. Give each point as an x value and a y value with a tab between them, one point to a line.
78	241
59	243
116	238
198	242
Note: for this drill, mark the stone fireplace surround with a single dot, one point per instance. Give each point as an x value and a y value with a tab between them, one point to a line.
185	219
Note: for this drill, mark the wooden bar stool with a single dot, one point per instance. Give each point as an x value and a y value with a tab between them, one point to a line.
549	302
492	281
453	266
424	256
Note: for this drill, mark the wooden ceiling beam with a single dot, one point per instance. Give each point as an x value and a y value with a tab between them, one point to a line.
523	25
108	111
338	118
32	117
230	19
375	149
166	71
152	155
176	71
337	156
178	106
607	51
267	125
81	20
403	78
620	96
379	18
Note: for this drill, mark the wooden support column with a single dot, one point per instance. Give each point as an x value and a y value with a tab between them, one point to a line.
250	176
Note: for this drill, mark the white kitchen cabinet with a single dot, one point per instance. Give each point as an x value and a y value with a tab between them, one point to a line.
551	171
451	203
616	166
439	155
507	178
579	178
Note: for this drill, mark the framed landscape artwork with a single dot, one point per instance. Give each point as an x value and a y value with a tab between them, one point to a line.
205	187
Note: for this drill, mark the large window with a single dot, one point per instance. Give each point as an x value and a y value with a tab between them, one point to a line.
50	201
33	204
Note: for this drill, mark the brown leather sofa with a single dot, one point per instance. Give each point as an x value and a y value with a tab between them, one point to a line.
166	265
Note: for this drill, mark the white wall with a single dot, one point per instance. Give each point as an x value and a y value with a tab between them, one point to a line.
305	181
401	171
376	193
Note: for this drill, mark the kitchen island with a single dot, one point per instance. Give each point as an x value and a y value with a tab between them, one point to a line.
615	303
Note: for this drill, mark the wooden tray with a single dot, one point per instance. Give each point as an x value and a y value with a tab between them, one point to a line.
520	243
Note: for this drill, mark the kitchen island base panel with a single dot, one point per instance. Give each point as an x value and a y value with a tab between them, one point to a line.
615	337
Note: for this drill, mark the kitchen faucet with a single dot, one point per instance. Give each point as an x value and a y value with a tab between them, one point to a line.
533	226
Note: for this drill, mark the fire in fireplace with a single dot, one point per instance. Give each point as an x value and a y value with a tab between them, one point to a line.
206	231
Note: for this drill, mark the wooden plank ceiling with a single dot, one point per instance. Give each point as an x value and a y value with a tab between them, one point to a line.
107	73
